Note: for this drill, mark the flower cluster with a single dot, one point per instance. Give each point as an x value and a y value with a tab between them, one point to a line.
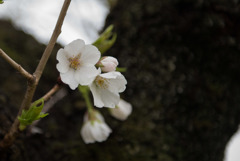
82	65
77	63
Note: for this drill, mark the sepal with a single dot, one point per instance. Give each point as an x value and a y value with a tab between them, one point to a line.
121	69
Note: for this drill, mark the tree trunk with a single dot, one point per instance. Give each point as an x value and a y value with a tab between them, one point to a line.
183	65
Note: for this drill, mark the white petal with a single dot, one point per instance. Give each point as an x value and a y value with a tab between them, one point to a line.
75	47
63	65
86	74
96	132
109	99
122	110
86	133
118	114
69	79
90	55
100	131
125	106
106	129
110	75
96	96
118	84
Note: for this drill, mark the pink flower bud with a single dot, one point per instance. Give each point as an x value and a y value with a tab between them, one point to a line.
109	64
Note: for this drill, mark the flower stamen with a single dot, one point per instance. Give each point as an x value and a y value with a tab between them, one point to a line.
74	62
101	82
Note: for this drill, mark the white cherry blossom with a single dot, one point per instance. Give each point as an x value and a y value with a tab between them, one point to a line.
106	88
76	63
122	110
95	129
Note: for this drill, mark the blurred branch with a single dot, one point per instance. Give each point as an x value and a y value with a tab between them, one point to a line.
16	65
32	84
48	95
60	94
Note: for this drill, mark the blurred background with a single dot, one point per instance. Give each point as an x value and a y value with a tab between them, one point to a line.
84	18
182	60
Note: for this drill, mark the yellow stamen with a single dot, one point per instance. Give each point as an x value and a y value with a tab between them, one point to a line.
101	82
74	62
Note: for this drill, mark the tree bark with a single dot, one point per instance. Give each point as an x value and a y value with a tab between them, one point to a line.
183	60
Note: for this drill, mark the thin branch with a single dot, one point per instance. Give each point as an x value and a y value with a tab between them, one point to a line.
16	65
32	84
60	94
48	95
52	41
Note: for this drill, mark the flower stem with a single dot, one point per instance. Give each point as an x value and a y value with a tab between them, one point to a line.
85	93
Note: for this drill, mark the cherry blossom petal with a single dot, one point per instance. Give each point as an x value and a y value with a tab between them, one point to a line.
100	131
117	85
96	132
63	65
86	74
110	75
90	54
69	79
109	99
86	133
116	81
106	129
96	96
74	48
122	110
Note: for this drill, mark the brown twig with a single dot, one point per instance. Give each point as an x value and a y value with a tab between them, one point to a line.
16	65
51	92
32	84
60	93
52	41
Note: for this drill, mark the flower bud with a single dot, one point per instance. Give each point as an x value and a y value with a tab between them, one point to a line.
95	129
108	64
122	110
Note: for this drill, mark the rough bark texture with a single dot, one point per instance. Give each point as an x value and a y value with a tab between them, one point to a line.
183	65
